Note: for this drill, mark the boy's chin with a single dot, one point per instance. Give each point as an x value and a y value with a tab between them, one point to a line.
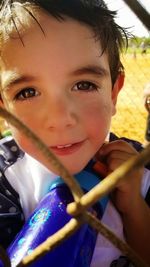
72	169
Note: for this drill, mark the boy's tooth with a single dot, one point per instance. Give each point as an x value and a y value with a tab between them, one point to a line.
64	146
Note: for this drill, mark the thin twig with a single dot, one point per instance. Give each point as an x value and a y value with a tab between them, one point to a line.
53	241
109	183
51	158
139	11
121	245
74	224
69	229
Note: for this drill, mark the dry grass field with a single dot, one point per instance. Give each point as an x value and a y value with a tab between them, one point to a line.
130	120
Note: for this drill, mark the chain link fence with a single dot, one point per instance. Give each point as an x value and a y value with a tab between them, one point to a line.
130	119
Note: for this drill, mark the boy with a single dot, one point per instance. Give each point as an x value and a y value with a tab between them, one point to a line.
61	75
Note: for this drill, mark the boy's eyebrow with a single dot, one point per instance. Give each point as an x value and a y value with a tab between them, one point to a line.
91	69
13	78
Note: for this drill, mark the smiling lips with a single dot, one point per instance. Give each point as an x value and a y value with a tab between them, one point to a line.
67	149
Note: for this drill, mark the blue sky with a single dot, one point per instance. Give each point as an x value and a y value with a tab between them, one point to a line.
126	17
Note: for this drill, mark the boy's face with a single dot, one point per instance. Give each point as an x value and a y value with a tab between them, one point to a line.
60	86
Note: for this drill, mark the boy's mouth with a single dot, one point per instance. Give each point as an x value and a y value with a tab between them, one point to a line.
66	149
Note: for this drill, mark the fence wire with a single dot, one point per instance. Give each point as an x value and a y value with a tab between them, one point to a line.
79	210
130	119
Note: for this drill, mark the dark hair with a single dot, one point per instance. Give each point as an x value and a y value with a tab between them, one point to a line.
93	13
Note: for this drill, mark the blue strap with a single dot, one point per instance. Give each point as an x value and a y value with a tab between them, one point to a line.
87	181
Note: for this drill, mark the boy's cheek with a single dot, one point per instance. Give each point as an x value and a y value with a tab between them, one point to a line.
24	142
28	146
18	136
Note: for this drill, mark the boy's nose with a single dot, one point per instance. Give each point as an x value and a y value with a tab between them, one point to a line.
60	114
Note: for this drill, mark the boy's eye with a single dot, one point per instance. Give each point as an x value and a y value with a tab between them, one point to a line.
26	93
85	86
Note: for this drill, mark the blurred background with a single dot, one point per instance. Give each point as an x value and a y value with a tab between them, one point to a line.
131	118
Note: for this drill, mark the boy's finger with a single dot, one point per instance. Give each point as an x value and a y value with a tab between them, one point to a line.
118	145
119	155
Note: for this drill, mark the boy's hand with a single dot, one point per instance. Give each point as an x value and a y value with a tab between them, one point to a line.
126	197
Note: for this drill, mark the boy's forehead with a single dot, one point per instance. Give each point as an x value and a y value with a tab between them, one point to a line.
55	31
66	44
37	25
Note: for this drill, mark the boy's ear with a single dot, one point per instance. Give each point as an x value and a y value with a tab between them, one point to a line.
116	89
1	102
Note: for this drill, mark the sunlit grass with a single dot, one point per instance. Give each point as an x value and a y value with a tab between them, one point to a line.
130	120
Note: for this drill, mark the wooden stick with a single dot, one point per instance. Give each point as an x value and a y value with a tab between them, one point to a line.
51	158
110	182
86	201
139	11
